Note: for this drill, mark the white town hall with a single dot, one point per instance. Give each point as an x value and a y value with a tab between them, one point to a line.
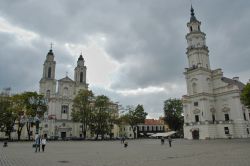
212	106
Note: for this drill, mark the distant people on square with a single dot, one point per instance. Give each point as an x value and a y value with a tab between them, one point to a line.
169	141
125	144
162	140
5	144
123	139
43	143
37	142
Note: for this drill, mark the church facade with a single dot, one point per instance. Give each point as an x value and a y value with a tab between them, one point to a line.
212	106
60	94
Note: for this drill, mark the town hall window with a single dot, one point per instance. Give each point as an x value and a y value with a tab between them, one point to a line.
196	118
65	109
49	72
226	129
196	103
81	77
226	117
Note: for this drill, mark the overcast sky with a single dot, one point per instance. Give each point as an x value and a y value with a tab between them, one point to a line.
134	50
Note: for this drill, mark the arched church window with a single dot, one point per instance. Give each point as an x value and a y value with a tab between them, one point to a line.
194	87
213	118
48	93
199	27
65	91
49	72
191	29
81	77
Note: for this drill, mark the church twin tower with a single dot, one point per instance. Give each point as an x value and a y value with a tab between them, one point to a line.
48	83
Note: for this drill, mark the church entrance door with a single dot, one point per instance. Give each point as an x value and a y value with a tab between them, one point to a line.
63	135
195	134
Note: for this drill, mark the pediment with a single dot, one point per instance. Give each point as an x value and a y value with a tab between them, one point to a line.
196	111
212	110
225	109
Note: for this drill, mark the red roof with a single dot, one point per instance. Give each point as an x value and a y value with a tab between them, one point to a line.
153	122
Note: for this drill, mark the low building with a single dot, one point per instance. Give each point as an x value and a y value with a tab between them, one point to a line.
151	126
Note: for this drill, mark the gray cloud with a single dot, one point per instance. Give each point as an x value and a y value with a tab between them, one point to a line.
147	36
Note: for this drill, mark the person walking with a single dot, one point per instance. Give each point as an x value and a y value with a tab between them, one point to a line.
170	141
162	140
43	143
125	144
37	142
123	139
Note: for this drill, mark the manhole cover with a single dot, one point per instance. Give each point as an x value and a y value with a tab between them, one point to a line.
63	161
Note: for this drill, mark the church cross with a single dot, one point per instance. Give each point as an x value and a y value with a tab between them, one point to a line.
51	44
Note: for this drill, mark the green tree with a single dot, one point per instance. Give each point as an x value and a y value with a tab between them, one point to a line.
245	96
134	117
100	116
113	118
81	112
19	110
35	105
7	115
173	110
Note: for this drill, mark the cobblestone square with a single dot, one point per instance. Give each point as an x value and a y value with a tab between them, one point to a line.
234	152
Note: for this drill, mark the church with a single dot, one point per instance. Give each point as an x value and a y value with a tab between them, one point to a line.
60	94
212	106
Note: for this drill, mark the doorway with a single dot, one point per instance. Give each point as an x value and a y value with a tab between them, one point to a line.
195	134
63	135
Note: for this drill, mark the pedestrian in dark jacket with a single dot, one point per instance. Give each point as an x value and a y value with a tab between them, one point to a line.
37	142
170	141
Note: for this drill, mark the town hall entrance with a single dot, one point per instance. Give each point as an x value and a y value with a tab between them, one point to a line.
195	134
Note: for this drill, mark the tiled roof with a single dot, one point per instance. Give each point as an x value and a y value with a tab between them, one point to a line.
153	122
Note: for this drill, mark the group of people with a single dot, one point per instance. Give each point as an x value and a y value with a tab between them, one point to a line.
40	141
169	141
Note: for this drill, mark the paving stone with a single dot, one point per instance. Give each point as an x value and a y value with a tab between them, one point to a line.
234	152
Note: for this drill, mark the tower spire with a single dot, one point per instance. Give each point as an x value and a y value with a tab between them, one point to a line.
193	18
80	57
50	51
